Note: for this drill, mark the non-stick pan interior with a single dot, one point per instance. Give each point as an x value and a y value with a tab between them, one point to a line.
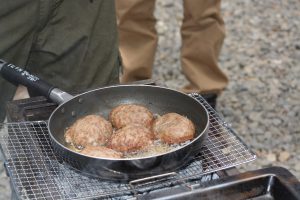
101	101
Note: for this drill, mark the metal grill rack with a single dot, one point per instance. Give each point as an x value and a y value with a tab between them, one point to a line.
36	172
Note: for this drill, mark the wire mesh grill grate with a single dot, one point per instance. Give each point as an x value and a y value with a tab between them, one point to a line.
37	173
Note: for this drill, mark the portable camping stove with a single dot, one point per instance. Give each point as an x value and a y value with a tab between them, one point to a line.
37	173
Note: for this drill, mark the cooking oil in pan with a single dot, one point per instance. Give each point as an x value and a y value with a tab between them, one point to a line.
156	148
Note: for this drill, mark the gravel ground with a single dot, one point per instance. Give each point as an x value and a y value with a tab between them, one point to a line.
261	56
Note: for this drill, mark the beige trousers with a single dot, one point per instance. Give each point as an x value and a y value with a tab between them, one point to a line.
202	34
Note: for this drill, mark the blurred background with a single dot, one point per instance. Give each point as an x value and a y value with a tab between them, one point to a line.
261	56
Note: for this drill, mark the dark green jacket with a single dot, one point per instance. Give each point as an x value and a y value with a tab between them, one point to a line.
69	43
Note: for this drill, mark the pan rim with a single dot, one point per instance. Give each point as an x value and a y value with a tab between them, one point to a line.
127	159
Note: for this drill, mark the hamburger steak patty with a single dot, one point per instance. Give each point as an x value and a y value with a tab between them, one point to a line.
131	138
173	128
90	130
126	114
101	151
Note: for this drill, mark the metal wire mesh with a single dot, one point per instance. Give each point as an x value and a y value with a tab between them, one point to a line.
37	173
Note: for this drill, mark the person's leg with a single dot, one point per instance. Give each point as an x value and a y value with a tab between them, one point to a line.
18	22
137	38
202	38
77	49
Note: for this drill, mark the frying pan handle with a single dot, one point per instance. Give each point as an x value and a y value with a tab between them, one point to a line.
17	75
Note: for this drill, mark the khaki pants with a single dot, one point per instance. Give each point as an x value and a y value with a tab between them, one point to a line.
202	34
72	44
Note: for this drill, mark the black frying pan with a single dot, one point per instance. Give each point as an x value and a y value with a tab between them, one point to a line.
158	99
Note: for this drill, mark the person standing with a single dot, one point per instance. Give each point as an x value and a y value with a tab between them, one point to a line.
202	33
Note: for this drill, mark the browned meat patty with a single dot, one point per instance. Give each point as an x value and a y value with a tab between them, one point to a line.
101	151
126	114
90	130
173	128
131	138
